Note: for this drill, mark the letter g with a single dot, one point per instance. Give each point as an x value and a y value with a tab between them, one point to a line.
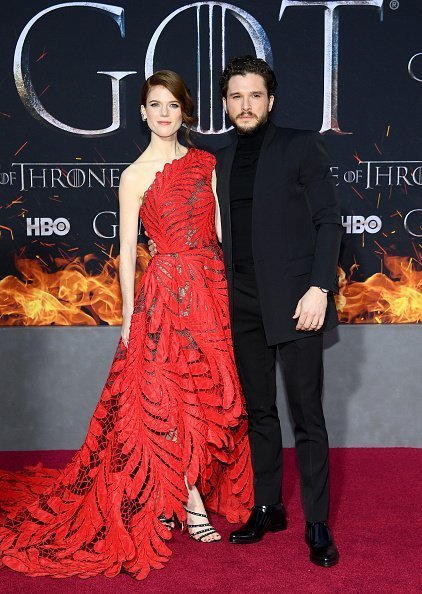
24	83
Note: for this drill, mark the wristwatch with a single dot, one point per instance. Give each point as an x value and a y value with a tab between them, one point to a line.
324	290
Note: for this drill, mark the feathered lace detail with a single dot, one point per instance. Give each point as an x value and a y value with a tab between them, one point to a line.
172	405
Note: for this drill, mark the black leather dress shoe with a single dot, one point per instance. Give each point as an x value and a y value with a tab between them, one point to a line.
322	549
264	518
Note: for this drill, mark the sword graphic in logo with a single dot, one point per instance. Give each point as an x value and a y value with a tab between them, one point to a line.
255	31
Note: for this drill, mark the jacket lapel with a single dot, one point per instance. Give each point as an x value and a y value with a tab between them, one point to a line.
265	168
225	163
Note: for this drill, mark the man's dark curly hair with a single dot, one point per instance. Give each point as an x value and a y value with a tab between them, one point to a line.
248	64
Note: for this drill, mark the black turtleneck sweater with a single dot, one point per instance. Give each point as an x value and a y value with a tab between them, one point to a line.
242	181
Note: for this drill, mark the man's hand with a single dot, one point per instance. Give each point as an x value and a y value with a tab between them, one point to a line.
311	310
152	248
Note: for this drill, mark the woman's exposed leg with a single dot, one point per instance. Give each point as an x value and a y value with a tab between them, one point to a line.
197	520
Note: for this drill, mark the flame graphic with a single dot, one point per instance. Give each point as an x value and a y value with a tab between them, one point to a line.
381	299
68	297
71	296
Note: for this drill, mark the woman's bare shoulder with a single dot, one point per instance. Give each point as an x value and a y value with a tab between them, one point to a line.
134	171
137	174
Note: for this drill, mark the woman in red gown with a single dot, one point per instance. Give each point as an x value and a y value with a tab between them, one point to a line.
170	429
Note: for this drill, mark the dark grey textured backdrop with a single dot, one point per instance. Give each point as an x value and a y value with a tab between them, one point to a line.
51	380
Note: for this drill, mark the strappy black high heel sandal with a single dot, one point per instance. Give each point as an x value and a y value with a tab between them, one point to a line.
208	529
169	523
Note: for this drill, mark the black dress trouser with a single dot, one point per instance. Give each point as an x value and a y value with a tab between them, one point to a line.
303	373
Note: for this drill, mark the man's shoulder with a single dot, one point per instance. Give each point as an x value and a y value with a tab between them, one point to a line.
293	133
296	141
231	141
221	151
280	134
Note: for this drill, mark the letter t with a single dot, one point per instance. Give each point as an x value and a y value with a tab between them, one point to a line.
329	117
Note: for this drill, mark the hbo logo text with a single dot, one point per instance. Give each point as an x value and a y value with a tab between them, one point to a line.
359	224
46	226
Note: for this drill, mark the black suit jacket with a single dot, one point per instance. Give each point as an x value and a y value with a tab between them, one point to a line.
296	226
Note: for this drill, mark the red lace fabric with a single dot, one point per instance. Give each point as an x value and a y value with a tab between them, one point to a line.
172	405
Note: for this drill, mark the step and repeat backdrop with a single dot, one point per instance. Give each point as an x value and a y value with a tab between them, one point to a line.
70	77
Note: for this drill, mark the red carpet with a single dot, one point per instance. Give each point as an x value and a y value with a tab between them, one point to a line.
376	518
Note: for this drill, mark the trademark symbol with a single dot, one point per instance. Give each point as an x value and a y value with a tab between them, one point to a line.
394	4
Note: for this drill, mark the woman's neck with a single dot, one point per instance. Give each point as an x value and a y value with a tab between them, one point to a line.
166	149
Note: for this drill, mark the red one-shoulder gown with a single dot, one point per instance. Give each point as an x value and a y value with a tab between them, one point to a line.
171	406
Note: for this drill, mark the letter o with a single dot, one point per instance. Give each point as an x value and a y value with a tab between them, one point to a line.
373	224
61	226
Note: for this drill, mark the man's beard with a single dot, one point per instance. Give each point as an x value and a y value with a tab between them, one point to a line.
248	129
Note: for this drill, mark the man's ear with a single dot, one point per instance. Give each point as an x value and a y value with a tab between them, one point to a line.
225	104
271	103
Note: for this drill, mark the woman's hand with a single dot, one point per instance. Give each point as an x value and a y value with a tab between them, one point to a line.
125	330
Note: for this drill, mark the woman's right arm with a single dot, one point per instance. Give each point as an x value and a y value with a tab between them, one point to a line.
128	231
217	208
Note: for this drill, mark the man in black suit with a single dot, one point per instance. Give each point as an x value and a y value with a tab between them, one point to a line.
281	234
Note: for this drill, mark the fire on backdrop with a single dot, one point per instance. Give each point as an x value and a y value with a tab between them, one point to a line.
382	299
70	296
73	296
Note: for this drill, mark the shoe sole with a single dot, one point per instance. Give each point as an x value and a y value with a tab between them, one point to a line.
324	563
277	528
